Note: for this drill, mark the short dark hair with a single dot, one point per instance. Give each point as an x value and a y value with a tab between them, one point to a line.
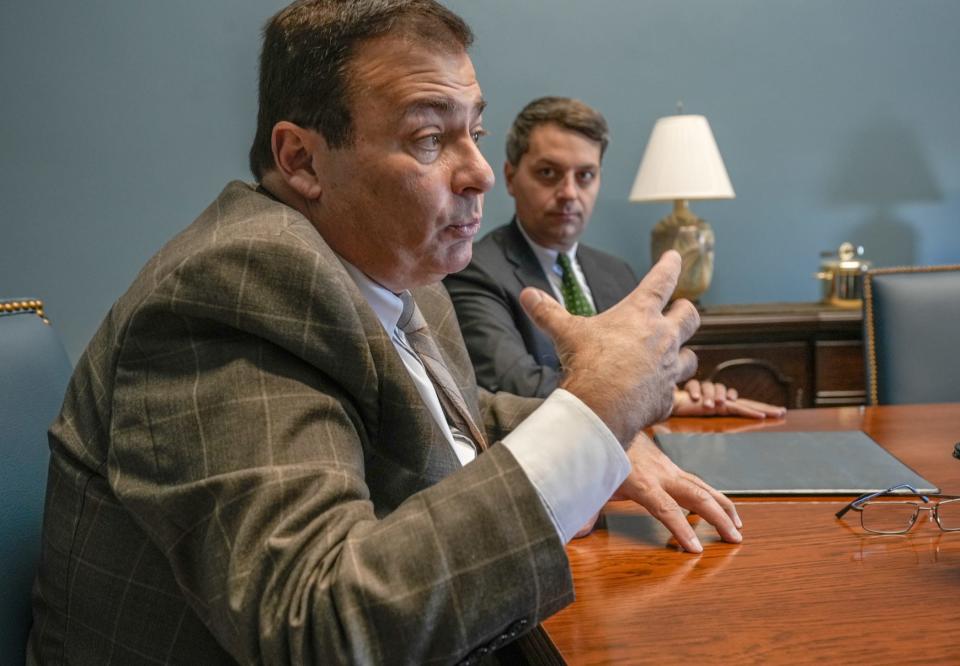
308	48
571	114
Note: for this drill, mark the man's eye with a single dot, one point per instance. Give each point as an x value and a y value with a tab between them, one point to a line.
478	134
587	176
429	142
547	172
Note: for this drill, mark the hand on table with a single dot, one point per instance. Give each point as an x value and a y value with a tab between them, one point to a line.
663	489
714	399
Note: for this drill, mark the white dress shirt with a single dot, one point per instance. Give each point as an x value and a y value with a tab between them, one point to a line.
548	262
567	451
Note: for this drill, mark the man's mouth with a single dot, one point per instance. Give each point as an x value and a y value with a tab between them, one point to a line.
466	229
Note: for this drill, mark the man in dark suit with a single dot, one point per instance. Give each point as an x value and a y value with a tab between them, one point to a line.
554	151
268	453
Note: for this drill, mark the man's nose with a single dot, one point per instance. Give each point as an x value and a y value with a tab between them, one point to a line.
472	173
567	189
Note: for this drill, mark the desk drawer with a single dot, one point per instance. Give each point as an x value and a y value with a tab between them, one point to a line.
839	373
778	373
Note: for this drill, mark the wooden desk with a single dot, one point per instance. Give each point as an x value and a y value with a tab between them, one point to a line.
803	587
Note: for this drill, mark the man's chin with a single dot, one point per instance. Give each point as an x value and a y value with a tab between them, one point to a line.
459	257
452	263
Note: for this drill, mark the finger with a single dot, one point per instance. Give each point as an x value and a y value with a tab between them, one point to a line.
661	281
709	394
732	394
725	502
711	505
663	507
693	389
686	364
680	398
545	312
684	314
740	408
719	394
770	410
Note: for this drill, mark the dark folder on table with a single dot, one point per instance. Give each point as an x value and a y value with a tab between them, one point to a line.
785	463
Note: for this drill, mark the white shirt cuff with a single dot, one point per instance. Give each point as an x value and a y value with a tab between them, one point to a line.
571	458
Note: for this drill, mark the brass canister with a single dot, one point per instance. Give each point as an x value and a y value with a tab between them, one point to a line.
842	274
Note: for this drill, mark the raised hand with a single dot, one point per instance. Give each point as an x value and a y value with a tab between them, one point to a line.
625	362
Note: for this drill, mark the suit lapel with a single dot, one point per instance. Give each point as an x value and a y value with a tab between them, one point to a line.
605	291
415	441
528	270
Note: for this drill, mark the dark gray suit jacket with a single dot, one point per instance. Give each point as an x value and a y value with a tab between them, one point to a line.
508	351
243	471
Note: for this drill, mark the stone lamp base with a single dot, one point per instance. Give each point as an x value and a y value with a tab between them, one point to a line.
686	233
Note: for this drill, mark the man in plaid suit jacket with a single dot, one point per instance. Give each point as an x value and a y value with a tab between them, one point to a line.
246	468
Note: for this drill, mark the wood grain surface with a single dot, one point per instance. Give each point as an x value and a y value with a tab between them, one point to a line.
802	588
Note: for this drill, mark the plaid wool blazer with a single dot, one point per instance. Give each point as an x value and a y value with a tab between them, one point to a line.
244	472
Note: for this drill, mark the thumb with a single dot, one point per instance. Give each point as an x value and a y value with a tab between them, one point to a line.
545	312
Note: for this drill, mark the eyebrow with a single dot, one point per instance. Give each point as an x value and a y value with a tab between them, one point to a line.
441	104
546	161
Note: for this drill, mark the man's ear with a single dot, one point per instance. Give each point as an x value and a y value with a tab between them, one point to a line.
509	171
293	153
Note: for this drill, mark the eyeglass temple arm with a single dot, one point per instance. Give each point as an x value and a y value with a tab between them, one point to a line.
855	504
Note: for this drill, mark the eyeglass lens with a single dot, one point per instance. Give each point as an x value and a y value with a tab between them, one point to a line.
888	517
949	515
896	517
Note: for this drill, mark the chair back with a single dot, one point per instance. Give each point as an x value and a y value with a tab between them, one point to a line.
911	323
34	371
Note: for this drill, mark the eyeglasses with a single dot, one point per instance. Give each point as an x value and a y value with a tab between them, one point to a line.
898	516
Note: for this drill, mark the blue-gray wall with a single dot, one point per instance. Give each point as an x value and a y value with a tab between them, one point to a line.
121	119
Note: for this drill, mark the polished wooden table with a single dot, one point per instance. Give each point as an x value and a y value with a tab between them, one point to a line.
803	587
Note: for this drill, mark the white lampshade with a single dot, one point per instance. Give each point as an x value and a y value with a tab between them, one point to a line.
681	162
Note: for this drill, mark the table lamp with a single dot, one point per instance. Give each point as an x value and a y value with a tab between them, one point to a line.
681	163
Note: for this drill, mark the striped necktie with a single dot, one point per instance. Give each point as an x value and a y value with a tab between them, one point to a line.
573	296
415	329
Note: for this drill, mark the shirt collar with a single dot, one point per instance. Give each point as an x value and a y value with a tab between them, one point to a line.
387	305
546	256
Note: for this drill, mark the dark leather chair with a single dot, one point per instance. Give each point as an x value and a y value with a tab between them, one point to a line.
34	371
911	323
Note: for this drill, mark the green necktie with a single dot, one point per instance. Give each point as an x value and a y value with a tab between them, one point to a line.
573	296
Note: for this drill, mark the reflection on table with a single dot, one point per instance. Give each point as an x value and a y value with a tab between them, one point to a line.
803	587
